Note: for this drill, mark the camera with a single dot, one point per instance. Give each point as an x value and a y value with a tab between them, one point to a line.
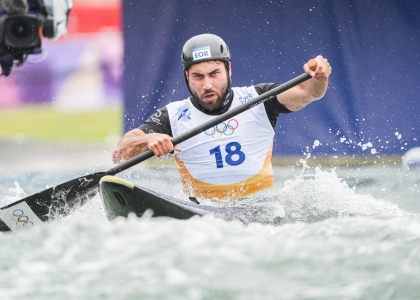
22	22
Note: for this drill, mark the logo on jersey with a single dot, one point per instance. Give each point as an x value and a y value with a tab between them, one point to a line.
223	129
244	99
156	120
183	114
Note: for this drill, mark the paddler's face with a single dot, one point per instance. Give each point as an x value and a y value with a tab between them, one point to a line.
208	82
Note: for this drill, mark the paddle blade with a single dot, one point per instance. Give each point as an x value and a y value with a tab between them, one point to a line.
49	204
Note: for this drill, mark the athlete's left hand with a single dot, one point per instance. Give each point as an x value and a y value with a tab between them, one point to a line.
322	71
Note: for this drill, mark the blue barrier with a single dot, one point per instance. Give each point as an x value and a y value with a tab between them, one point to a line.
372	105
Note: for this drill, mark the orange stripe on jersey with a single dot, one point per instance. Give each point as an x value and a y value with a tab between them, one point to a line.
264	179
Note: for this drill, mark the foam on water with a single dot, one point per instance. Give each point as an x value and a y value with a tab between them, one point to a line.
310	198
323	194
18	192
314	237
202	258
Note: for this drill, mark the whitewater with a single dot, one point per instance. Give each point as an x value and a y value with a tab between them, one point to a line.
346	232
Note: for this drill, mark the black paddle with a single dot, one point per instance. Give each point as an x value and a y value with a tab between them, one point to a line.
62	199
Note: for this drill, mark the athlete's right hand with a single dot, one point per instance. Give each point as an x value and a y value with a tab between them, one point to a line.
161	144
136	141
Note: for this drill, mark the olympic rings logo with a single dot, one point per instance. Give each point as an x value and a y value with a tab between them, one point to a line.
21	219
222	129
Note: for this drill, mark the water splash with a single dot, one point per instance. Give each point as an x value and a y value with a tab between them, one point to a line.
19	194
309	198
322	195
308	154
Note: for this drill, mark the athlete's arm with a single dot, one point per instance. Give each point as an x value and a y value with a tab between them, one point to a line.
301	95
155	134
273	108
136	141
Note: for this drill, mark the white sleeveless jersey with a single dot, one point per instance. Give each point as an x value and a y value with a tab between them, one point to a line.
230	160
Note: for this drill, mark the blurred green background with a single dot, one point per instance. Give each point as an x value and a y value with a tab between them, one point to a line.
46	123
71	92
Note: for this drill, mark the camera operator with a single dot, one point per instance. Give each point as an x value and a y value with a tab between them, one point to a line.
20	24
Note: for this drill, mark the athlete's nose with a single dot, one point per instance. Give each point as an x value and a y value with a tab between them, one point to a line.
207	83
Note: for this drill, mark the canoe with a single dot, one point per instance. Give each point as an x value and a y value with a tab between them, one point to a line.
120	198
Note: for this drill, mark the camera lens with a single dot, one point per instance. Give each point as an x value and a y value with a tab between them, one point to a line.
21	29
21	32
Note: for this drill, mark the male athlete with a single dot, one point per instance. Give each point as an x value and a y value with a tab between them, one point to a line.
232	159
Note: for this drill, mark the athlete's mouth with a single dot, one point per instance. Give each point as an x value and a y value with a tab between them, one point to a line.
209	96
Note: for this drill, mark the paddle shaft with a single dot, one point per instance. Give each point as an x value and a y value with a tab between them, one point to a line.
221	118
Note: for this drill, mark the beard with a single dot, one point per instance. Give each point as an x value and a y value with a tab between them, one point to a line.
215	103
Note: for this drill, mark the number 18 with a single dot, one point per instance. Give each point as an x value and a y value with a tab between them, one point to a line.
231	149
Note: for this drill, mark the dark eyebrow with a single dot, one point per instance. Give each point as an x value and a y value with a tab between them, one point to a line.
215	70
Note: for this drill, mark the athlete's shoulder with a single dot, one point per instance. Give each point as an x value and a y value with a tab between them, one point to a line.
178	103
265	87
244	93
243	89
